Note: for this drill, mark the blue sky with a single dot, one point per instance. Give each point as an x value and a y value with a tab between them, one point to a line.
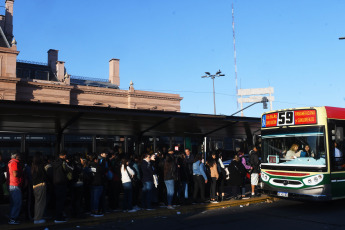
167	45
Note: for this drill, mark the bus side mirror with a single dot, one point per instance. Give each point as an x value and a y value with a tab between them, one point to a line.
338	134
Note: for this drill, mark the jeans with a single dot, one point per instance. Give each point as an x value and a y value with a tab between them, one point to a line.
127	201
170	190
96	192
185	189
15	201
147	194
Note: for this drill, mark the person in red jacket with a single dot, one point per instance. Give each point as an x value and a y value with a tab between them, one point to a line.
15	179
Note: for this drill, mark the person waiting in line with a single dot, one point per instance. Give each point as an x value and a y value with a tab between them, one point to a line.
169	178
240	154
39	179
97	186
223	176
136	182
188	161
15	179
77	184
293	152
104	162
126	177
147	180
61	177
255	169
199	178
237	176
307	152
182	178
212	164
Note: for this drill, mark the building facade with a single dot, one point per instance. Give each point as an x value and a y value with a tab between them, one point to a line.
50	82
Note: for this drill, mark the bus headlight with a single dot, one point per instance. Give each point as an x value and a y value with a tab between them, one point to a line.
313	180
264	177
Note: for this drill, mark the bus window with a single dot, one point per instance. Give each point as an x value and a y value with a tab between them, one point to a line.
337	147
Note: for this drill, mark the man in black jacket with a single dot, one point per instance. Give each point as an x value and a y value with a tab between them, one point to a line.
255	168
189	160
147	179
62	173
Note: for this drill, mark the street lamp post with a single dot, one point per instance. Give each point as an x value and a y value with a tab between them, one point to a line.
264	101
213	76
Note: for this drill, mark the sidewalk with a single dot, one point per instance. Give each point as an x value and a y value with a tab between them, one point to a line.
142	214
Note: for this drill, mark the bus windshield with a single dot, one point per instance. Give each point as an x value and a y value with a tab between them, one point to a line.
294	146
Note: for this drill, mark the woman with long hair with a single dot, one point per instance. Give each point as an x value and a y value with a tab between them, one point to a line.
212	164
126	177
39	179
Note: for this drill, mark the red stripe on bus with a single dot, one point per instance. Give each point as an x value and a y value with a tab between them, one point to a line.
287	174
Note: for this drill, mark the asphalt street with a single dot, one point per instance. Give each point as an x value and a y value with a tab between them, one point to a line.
279	215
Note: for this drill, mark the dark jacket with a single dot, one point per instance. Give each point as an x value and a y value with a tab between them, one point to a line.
169	169
60	170
147	171
254	162
237	173
98	174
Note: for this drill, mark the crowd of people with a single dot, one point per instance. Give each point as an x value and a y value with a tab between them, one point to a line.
92	184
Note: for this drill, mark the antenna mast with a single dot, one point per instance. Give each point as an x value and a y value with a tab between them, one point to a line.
233	31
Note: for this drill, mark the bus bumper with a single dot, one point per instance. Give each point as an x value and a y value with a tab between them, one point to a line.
317	193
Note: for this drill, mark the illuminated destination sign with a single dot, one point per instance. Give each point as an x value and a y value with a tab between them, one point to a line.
296	117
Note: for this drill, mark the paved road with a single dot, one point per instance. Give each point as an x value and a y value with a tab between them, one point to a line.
278	215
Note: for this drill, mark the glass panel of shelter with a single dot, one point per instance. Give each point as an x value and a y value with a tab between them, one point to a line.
10	143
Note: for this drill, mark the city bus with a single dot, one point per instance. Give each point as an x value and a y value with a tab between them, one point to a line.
288	170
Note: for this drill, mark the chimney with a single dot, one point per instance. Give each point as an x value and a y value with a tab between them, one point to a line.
9	20
60	71
52	59
114	71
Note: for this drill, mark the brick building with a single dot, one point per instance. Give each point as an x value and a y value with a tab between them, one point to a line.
50	82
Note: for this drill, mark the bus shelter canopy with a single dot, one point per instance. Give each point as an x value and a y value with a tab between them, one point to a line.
45	118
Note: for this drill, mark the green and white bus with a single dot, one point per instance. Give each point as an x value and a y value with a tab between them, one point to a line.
288	169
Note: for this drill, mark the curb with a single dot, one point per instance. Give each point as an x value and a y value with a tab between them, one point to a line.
121	216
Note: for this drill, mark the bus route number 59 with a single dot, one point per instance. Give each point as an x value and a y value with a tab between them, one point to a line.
286	118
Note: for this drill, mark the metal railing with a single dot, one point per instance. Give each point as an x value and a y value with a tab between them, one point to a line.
32	62
89	78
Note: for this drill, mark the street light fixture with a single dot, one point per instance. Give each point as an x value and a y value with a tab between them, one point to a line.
213	76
